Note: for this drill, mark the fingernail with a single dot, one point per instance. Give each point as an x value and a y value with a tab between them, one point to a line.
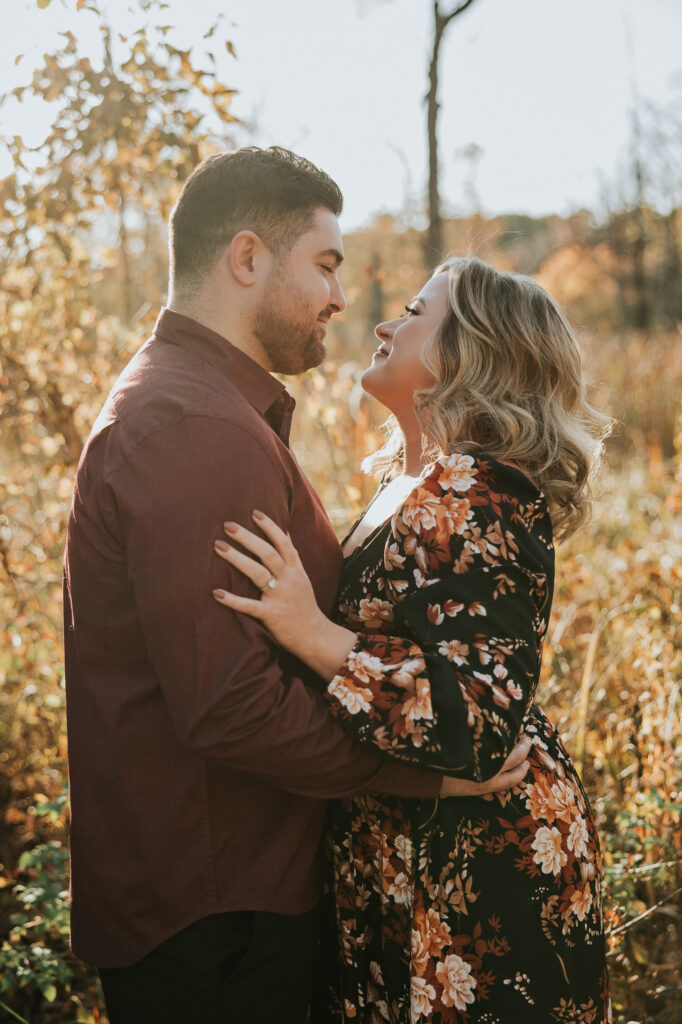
230	527
221	545
219	593
257	515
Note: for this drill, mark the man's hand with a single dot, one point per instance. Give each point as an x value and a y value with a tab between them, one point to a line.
510	774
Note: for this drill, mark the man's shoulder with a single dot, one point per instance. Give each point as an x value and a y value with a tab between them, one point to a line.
164	386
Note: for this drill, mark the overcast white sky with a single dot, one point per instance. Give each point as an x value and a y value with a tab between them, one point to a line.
544	87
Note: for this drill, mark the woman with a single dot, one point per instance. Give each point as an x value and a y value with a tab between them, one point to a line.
479	909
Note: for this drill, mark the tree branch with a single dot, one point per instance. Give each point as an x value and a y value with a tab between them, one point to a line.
447	18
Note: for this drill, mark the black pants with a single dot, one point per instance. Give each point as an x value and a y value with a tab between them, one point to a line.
244	967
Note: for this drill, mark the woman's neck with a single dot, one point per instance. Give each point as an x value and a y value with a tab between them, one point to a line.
414	458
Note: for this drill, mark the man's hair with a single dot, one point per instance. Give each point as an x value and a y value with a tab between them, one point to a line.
272	192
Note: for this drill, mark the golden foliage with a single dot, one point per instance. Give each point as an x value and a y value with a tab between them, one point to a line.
82	272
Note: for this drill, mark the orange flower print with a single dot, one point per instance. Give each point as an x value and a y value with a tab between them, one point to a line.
419	706
581	901
401	889
578	837
514	690
365	666
375	613
392	557
419	950
424	511
353	698
453	516
419	510
403	847
437	932
587	869
549	853
455	976
452	608
434	614
457	473
421	996
539	800
564	801
406	672
454	650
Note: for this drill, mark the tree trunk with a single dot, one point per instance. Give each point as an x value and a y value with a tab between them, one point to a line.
433	246
433	249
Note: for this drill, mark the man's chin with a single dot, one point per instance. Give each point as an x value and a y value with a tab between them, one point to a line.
315	354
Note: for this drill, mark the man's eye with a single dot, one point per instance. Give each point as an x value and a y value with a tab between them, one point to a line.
330	270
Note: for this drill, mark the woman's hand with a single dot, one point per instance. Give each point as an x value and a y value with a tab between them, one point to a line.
510	774
287	606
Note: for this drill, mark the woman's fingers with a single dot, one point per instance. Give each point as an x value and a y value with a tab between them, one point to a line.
279	538
518	754
512	772
239	604
268	555
506	779
256	571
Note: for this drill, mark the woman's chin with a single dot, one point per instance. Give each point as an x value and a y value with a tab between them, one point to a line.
370	384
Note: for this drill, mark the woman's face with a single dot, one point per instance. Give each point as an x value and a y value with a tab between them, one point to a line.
398	369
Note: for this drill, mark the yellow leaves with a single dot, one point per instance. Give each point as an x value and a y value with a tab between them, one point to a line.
42	4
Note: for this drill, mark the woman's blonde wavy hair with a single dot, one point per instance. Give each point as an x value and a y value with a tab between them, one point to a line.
510	384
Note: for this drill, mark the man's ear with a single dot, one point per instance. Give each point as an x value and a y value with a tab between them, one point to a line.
246	256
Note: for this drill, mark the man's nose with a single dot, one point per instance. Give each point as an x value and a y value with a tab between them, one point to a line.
337	298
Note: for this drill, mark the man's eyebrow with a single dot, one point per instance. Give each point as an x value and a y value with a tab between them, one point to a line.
334	253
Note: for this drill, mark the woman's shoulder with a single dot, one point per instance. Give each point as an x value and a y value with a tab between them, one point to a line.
461	495
477	473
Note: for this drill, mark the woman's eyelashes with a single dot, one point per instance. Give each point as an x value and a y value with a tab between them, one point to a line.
410	310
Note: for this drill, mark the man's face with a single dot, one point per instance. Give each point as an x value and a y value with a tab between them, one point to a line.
301	293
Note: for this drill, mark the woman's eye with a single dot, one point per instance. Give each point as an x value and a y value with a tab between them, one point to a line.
410	309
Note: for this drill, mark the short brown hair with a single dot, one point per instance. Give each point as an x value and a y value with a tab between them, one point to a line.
272	192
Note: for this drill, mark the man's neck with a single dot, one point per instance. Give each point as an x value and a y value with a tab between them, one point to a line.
230	325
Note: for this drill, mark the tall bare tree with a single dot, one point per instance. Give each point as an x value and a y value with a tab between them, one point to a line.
441	19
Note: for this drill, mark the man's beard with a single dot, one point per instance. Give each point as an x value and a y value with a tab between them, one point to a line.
289	342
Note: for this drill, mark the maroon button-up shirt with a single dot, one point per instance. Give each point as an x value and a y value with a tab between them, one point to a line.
199	755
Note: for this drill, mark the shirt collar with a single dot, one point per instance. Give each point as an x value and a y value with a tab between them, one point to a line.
264	392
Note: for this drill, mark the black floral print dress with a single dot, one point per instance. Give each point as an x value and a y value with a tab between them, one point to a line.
482	909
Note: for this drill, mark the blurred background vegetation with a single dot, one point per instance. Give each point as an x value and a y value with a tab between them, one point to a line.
83	272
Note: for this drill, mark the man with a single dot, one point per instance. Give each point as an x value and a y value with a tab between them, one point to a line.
199	755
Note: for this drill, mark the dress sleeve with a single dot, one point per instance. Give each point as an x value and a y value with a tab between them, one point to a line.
443	671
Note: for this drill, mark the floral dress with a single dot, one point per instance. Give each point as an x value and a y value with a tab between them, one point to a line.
482	909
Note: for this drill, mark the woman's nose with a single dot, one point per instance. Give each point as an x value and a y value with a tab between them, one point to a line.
384	331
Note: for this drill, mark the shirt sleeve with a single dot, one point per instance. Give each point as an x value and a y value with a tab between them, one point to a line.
226	695
448	679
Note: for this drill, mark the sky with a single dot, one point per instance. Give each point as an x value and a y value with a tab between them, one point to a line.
543	88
